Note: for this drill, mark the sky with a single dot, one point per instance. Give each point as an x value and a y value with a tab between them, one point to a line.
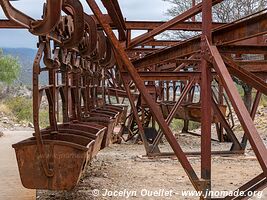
132	10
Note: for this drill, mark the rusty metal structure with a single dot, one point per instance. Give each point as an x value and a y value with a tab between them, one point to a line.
93	59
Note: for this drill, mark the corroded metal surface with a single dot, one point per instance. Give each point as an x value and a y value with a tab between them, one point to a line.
161	79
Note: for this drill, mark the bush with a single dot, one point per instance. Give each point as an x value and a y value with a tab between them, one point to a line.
9	68
5	109
21	107
263	101
43	118
178	124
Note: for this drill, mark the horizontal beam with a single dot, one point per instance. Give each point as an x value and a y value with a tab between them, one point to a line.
5	23
253	66
163	43
243	49
240	30
166	76
185	26
178	51
246	76
165	26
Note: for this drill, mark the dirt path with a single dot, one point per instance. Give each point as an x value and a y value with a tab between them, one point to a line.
10	184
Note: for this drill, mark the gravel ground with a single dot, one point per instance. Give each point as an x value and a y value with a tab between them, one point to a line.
122	168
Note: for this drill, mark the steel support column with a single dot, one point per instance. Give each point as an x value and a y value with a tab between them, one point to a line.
206	96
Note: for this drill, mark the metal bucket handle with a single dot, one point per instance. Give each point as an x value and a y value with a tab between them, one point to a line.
35	98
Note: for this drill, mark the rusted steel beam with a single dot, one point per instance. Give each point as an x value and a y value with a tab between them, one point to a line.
146	50
182	50
241	30
246	28
38	27
243	49
8	24
253	66
115	14
259	181
246	76
253	115
236	144
185	26
159	43
148	98
133	106
185	63
153	76
15	15
206	96
243	115
186	15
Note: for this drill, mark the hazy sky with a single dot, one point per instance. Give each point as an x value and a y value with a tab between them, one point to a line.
132	10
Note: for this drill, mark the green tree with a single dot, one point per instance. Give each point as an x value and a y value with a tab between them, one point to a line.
9	68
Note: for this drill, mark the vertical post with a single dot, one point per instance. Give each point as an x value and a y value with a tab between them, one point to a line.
206	97
193	4
252	114
129	37
220	101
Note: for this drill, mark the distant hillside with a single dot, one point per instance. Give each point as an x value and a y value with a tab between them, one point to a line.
25	57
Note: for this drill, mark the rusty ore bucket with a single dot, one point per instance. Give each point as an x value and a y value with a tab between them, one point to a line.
66	155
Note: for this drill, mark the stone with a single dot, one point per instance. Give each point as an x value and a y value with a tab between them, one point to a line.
30	125
105	175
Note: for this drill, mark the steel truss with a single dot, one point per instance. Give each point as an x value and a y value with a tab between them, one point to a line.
93	61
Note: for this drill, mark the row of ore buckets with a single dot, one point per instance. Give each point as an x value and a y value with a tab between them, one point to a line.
55	157
67	151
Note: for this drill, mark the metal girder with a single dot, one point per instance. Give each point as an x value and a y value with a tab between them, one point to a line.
256	184
115	14
8	24
246	28
241	30
146	50
153	76
159	43
185	26
253	115
134	109
182	17
206	96
253	65
15	15
181	50
243	115
236	144
249	78
242	49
